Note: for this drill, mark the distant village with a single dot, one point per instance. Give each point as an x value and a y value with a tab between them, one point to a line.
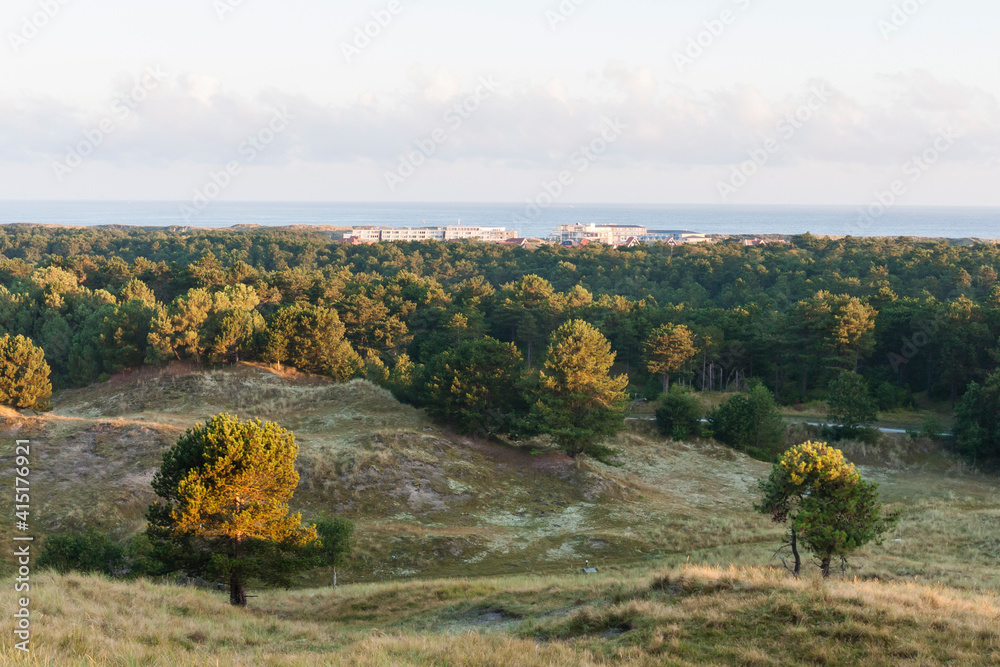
617	236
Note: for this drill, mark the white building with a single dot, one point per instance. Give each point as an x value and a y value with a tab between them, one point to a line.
367	234
485	234
663	235
455	233
613	235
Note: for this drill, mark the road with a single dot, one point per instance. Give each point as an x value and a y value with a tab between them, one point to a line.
897	431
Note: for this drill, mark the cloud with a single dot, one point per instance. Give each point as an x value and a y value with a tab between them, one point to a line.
192	118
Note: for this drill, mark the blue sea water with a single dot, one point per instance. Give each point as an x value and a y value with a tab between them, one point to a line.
950	222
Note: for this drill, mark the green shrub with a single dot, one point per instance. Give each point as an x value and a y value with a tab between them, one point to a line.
852	409
85	552
750	423
679	414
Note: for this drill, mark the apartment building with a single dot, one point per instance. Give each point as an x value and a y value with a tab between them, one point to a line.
451	233
613	235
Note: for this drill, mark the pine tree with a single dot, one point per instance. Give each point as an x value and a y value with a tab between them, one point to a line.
669	350
852	408
225	488
24	374
476	386
831	509
311	339
579	403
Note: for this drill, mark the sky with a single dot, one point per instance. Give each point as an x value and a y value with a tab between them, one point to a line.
573	101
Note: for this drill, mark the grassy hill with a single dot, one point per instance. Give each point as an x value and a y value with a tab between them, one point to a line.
477	537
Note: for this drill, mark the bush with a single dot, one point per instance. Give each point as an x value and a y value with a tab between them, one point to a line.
85	552
852	408
750	423
892	397
679	414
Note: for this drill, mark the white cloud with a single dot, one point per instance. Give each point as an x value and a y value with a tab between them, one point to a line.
192	118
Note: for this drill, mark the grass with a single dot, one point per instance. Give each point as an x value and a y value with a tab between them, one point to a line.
644	616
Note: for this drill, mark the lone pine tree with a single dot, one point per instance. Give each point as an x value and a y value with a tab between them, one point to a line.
831	509
224	489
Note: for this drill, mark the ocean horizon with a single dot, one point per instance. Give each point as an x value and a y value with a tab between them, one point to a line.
934	222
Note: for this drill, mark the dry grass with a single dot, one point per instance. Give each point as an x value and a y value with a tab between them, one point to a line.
680	616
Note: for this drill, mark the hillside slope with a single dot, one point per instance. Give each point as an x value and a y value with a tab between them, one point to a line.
430	503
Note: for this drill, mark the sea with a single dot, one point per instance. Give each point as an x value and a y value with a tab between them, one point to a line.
939	222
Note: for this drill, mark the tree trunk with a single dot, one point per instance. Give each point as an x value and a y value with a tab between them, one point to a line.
825	566
795	552
334	577
237	594
666	383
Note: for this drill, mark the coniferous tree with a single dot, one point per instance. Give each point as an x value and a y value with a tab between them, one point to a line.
476	386
311	339
579	402
977	420
750	422
224	490
830	508
852	408
24	374
669	350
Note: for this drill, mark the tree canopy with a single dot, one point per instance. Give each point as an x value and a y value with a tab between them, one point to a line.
914	318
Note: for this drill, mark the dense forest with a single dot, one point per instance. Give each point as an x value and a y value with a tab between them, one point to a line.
911	316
